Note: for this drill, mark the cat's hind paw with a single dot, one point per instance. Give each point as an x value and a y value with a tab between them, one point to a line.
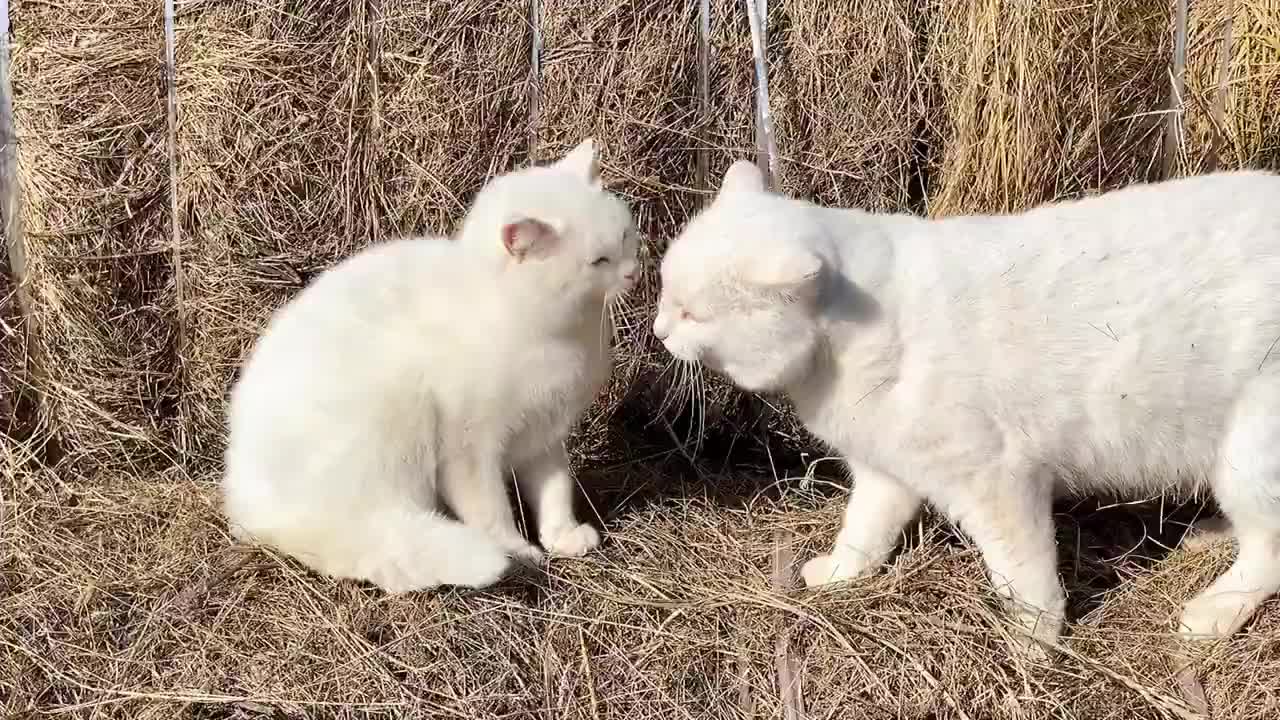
1214	616
572	541
527	554
828	569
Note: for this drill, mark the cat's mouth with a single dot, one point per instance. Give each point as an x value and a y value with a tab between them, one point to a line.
695	357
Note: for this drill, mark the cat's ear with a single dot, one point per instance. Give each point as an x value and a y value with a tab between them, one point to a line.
529	237
791	272
742	176
582	161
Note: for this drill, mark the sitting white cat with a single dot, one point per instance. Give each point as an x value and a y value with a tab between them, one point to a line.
426	370
1125	342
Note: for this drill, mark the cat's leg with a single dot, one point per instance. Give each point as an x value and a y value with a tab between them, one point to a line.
547	483
879	508
475	488
1008	514
1246	483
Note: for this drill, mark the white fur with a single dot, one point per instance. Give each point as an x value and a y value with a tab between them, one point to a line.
1125	342
425	370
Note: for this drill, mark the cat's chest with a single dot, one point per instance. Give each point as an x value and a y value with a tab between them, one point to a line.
852	414
574	372
559	381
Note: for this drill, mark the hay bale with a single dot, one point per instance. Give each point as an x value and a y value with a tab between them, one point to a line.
1232	80
89	108
1033	102
269	190
847	101
625	73
732	134
12	354
1112	107
451	109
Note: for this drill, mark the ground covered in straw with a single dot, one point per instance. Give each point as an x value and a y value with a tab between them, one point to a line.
126	598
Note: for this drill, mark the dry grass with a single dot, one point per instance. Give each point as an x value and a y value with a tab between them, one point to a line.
13	351
450	108
1233	78
847	98
87	80
1038	101
624	73
309	129
126	599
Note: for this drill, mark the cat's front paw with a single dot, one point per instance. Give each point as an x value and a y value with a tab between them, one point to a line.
572	541
521	550
828	569
527	554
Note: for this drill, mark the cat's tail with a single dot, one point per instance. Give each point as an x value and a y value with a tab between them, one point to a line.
400	549
412	549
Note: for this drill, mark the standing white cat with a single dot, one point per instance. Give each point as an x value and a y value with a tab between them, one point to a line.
1126	342
425	370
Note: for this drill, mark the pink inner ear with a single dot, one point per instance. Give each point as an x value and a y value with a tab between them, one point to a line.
528	236
511	239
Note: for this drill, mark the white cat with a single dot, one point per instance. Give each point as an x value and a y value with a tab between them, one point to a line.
1126	342
425	370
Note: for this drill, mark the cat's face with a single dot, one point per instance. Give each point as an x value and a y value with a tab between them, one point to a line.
739	288
556	227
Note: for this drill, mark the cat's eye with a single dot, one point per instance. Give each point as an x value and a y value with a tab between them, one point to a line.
598	262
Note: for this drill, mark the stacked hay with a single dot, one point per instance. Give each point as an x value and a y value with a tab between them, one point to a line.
132	600
847	99
13	362
272	186
1038	101
90	110
1117	70
449	110
1232	80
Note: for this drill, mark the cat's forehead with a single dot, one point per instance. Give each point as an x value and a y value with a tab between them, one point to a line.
699	261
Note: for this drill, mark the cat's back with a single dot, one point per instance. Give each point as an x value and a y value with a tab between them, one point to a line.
1224	217
1133	248
1131	319
362	324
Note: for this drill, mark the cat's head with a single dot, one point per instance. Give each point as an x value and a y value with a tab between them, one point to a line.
556	227
740	286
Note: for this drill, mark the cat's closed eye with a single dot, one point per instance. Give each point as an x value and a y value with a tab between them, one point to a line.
600	261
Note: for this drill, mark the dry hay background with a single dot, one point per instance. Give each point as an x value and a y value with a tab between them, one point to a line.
310	128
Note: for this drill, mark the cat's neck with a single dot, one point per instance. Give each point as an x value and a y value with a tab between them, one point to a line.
858	328
862	249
